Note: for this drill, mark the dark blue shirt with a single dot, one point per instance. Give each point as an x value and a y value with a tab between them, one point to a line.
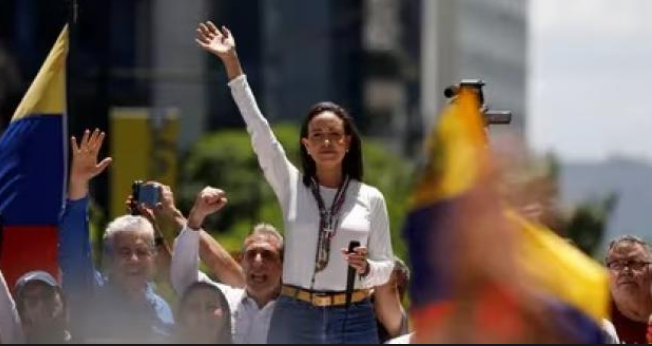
99	311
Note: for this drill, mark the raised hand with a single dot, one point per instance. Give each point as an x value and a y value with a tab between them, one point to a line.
216	41
208	202
222	44
165	213
85	164
166	207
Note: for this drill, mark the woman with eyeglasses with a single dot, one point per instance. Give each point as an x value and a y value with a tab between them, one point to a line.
326	208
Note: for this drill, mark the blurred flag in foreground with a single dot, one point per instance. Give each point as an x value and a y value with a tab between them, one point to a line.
481	273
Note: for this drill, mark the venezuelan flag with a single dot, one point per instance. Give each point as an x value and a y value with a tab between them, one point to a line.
33	171
576	280
442	203
481	274
576	287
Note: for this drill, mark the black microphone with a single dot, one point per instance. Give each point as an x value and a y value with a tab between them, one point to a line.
350	279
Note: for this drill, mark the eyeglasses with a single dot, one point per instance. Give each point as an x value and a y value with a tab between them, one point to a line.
619	266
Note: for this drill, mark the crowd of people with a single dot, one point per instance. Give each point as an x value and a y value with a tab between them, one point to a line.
283	289
289	288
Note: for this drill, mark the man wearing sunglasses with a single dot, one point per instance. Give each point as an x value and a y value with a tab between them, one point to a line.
628	260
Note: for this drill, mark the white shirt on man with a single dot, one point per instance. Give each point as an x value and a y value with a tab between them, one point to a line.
250	322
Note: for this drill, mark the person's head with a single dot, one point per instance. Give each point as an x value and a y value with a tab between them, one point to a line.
628	260
42	308
262	261
330	140
130	248
204	316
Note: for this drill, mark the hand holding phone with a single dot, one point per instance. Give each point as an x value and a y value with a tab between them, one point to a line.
147	194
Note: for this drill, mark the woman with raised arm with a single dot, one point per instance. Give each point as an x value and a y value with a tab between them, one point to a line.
327	208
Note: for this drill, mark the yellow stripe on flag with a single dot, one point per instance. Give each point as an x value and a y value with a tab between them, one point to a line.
47	95
458	150
562	270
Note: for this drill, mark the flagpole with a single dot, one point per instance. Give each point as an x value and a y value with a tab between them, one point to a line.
73	11
73	17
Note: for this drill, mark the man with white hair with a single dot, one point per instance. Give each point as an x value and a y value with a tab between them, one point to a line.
121	306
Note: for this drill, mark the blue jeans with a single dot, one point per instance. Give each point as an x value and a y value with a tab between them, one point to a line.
297	322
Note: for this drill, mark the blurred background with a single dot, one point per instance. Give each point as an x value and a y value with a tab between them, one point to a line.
573	73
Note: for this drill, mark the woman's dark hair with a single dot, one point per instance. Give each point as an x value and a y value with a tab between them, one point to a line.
353	161
226	336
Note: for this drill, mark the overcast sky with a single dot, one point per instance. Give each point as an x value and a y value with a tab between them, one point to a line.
591	78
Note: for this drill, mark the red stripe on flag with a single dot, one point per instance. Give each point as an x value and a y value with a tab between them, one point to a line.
28	248
493	315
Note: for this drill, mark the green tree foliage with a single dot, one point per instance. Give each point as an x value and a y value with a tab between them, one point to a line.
587	225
